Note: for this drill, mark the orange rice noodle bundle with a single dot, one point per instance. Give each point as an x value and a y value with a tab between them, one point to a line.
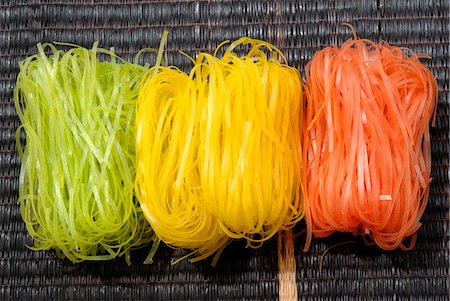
367	142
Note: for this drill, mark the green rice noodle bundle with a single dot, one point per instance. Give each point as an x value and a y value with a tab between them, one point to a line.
78	169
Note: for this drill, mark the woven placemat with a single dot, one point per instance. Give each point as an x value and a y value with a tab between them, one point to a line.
299	28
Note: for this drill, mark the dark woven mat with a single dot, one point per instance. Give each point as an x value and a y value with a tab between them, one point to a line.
300	28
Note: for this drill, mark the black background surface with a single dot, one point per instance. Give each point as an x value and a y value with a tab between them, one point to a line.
299	28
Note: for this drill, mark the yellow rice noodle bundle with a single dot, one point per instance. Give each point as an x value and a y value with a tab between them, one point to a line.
219	151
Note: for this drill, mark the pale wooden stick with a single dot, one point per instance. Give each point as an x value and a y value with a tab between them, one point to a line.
286	267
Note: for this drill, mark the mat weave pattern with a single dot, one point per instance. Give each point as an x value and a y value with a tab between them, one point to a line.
299	28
